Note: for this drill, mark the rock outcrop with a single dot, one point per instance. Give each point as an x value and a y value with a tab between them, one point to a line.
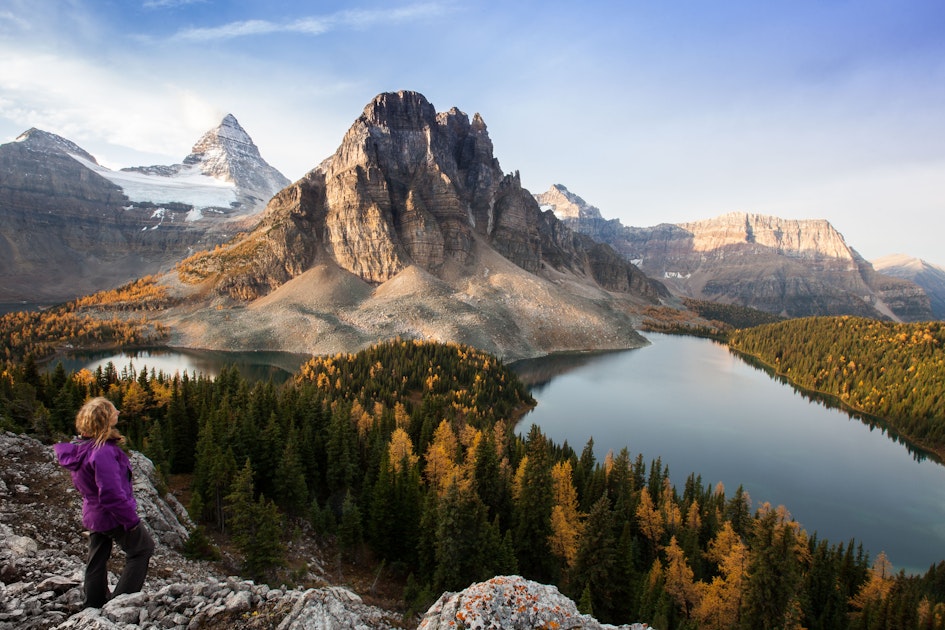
788	267
510	603
414	215
42	551
69	226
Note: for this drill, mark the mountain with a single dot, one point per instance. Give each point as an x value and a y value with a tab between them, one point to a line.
69	226
784	266
42	556
928	276
411	228
224	175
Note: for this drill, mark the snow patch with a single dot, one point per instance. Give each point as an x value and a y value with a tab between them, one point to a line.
189	186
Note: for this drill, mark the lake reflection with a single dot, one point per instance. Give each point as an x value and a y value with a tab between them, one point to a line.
702	409
278	366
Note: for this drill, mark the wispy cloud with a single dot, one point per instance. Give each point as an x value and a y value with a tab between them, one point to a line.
314	25
9	19
169	4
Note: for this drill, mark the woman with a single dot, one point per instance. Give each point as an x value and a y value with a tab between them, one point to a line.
101	472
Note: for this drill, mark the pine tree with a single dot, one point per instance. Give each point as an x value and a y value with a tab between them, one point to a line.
533	511
255	526
490	486
720	600
350	528
596	558
291	490
680	582
466	546
775	572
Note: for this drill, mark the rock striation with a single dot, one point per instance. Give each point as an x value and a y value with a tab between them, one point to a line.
69	226
41	571
414	214
785	266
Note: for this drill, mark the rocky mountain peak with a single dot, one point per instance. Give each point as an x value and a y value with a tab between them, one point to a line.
43	141
398	110
101	228
226	152
566	205
793	267
414	208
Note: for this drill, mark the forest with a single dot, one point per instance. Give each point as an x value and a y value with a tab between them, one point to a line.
38	335
406	459
888	370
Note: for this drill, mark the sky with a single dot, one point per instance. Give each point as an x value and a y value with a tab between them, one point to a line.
655	112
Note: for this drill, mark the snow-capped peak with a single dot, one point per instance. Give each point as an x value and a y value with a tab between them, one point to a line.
227	152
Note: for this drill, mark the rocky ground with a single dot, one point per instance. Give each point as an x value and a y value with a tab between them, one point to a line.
43	545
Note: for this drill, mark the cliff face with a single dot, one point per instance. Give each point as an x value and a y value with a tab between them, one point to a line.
414	209
793	267
790	267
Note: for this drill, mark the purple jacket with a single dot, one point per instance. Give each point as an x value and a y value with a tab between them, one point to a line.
103	476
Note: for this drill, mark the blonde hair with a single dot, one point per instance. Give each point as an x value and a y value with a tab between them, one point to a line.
94	421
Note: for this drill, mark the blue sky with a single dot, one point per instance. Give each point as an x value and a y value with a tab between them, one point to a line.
652	111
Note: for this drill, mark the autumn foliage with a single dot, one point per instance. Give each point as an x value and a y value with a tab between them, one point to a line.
888	370
403	459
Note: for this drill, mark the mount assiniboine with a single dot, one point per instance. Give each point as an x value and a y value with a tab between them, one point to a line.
69	226
789	267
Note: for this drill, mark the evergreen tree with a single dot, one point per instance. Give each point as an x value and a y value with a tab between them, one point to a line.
291	490
596	559
466	545
255	526
350	528
533	511
491	487
775	572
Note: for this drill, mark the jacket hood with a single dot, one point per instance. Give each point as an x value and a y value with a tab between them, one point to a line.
72	454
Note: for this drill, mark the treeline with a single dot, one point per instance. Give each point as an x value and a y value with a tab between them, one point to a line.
41	334
889	370
404	456
141	294
732	315
717	320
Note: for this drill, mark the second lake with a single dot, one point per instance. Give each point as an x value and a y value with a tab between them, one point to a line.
703	410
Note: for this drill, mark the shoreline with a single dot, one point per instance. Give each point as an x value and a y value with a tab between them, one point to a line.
936	453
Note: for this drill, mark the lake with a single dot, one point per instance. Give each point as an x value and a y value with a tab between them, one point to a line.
704	410
278	366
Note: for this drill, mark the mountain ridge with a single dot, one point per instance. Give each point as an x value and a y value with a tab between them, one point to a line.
929	276
792	267
69	226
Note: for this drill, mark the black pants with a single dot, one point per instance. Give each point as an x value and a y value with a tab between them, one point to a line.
138	547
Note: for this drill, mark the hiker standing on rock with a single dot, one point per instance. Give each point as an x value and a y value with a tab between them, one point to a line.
101	472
